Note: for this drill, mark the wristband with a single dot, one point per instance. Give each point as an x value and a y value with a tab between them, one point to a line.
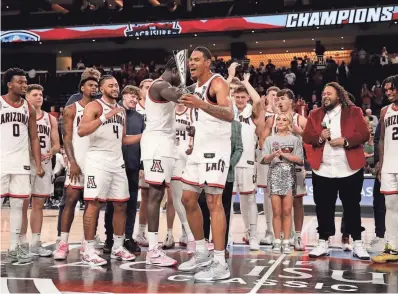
103	118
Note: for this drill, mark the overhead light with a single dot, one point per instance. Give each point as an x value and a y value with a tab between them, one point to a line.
40	43
394	21
261	52
313	39
256	42
93	40
214	44
59	52
284	41
138	38
342	48
190	45
252	31
317	28
195	35
287	51
313	49
7	7
342	37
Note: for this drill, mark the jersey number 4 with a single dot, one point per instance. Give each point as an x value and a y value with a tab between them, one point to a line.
116	131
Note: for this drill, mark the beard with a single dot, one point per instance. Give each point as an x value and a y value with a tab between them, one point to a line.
330	106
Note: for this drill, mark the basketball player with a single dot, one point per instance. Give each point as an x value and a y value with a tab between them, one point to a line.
105	177
245	171
18	130
388	172
75	148
262	167
41	188
207	166
159	154
141	239
174	193
286	100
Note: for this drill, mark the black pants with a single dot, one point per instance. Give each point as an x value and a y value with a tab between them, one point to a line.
226	202
325	196
131	210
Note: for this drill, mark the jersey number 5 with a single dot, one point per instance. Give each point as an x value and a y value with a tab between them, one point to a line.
116	131
42	141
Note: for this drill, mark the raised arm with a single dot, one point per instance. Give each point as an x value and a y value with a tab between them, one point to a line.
34	140
266	131
54	136
253	95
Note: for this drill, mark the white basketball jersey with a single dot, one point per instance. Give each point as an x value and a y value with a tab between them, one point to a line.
141	109
44	133
212	135
390	159
158	137
105	146
249	140
14	137
183	120
80	144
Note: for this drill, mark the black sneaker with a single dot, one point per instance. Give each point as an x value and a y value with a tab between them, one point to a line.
132	246
108	246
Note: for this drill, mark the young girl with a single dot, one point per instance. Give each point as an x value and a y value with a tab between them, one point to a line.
283	151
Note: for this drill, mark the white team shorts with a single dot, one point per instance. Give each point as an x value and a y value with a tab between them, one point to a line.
42	187
262	175
15	185
389	183
79	185
178	170
159	170
105	185
141	181
211	174
245	180
300	178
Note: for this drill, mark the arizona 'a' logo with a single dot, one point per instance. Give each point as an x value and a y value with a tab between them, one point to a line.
91	182
157	166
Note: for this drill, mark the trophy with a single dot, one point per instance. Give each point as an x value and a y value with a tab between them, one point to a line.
180	58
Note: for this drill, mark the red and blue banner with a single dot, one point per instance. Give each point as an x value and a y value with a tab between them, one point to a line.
158	29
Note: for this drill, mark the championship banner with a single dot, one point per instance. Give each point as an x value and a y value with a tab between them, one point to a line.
309	20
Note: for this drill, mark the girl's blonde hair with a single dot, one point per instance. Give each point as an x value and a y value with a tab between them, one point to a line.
290	120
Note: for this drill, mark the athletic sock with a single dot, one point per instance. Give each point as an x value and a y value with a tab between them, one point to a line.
298	234
188	232
201	245
142	229
22	239
117	241
153	240
170	232
13	240
64	236
89	246
35	238
220	256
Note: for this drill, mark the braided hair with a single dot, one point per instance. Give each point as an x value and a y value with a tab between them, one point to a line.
343	95
171	64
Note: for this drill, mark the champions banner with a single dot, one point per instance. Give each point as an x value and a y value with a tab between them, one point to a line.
157	29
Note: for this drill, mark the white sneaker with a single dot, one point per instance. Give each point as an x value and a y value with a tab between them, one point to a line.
215	271
142	240
38	249
286	247
246	238
321	249
298	244
122	254
267	240
253	244
198	259
291	239
277	246
98	243
183	240
345	244
377	245
360	251
169	242
92	259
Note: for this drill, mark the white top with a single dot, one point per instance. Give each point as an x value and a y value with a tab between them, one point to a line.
14	137
183	120
105	146
390	159
44	133
158	138
249	140
212	135
141	109
59	163
80	144
334	161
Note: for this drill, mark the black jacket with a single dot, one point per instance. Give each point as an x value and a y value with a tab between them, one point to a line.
135	125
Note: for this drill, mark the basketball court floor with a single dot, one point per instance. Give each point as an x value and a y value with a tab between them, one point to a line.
251	272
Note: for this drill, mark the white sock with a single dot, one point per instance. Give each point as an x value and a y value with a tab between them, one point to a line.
220	256
298	234
16	205
170	232
90	246
118	241
153	240
35	238
22	239
142	229
64	236
253	230
392	220
201	245
188	232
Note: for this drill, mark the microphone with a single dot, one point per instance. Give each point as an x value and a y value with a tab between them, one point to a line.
324	126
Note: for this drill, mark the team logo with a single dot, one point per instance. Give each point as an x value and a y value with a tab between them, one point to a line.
153	29
91	182
18	36
157	166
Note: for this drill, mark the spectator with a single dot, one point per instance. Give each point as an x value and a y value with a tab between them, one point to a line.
53	112
394	59
270	67
384	56
377	101
366	96
369	155
290	78
362	56
376	85
371	120
80	65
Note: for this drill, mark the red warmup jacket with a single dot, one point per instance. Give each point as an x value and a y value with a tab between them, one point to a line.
353	128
